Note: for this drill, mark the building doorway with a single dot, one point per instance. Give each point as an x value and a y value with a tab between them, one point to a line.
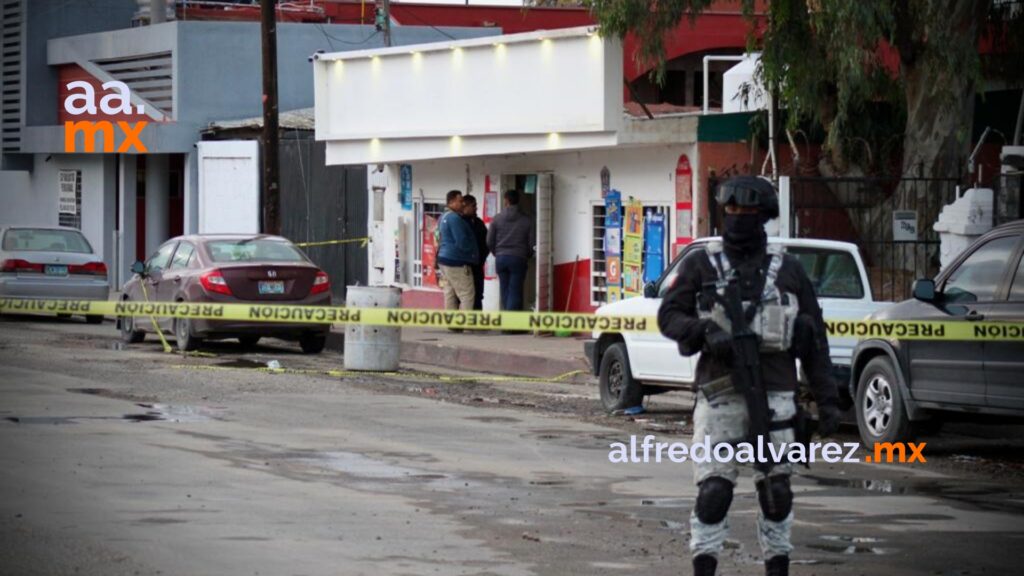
536	192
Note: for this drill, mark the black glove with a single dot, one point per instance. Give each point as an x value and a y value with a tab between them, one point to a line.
828	419
717	343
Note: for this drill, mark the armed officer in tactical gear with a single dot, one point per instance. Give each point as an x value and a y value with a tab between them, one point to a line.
780	314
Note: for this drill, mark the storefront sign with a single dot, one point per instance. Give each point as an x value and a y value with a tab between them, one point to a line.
654	255
405	176
491	203
904	226
67	199
428	259
633	250
684	203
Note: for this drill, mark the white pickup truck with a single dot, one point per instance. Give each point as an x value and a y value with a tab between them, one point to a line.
630	366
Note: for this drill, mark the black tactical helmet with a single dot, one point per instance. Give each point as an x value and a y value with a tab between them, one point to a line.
750	191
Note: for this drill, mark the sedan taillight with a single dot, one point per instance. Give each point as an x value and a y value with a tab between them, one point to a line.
91	268
18	265
213	281
321	284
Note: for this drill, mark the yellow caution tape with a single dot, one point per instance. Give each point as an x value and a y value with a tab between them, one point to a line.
362	242
293	313
530	321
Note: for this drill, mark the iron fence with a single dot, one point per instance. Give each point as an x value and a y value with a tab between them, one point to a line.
889	218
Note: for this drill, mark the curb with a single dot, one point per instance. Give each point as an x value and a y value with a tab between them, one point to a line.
483	361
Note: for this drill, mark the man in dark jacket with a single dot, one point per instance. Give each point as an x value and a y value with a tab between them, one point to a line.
766	277
511	239
456	255
480	232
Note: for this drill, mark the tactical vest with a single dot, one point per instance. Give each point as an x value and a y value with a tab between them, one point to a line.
772	318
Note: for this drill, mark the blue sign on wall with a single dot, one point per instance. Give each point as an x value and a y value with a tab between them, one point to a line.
405	176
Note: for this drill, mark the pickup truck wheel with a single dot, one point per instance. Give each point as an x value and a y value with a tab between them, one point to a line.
881	415
618	388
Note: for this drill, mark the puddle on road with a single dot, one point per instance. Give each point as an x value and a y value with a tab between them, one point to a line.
559	482
493	419
981	497
43	419
851	545
153	413
102	392
241	363
667	502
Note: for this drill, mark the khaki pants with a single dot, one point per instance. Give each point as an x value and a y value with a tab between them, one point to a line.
458	287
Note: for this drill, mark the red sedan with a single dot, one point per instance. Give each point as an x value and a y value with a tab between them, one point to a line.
228	268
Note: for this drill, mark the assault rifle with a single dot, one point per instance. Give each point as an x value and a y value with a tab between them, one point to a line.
746	372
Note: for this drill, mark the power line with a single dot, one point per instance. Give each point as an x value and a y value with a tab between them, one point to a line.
405	9
341	41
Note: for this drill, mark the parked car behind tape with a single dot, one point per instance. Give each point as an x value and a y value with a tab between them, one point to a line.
51	263
228	268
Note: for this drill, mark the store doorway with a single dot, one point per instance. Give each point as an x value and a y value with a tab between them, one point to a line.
535	200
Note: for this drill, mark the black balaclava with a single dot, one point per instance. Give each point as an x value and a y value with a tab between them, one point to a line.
744	234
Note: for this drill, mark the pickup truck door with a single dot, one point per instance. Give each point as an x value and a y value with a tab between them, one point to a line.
1004	361
949	371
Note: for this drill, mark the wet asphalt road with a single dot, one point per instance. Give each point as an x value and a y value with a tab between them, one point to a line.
132	461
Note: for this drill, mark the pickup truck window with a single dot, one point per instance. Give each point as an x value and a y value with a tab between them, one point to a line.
669	278
833	273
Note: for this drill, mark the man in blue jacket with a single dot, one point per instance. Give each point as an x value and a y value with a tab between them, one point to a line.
457	255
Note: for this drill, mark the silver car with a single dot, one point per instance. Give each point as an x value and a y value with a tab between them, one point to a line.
51	263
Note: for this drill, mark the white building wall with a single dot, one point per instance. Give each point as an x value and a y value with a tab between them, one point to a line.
646	173
17	203
98	174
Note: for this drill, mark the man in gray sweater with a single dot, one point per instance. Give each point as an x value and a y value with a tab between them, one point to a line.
511	239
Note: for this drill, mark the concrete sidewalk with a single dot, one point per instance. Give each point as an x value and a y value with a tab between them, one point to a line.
489	352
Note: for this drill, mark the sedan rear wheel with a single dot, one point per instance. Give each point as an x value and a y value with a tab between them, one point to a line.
248	341
183	335
313	343
129	334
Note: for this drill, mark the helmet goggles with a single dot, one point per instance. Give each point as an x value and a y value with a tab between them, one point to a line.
737	193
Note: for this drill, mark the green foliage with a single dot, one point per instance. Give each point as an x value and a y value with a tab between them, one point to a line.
826	60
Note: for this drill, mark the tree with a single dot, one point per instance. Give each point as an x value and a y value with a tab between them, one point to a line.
833	62
828	61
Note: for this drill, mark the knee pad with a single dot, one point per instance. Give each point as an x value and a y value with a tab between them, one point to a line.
713	500
782	498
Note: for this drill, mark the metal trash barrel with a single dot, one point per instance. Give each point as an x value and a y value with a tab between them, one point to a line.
372	347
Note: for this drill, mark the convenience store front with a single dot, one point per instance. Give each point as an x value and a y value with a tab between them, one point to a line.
484	116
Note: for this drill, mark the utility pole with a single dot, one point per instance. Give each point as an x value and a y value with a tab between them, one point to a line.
271	190
383	20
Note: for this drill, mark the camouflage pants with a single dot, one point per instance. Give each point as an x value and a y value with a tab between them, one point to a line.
725	420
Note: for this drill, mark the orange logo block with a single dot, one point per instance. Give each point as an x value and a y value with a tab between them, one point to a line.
91	129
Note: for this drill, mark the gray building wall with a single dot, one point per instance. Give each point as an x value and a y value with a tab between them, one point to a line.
218	70
48	19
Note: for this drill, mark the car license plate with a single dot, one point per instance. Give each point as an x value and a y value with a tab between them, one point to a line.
275	287
54	270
